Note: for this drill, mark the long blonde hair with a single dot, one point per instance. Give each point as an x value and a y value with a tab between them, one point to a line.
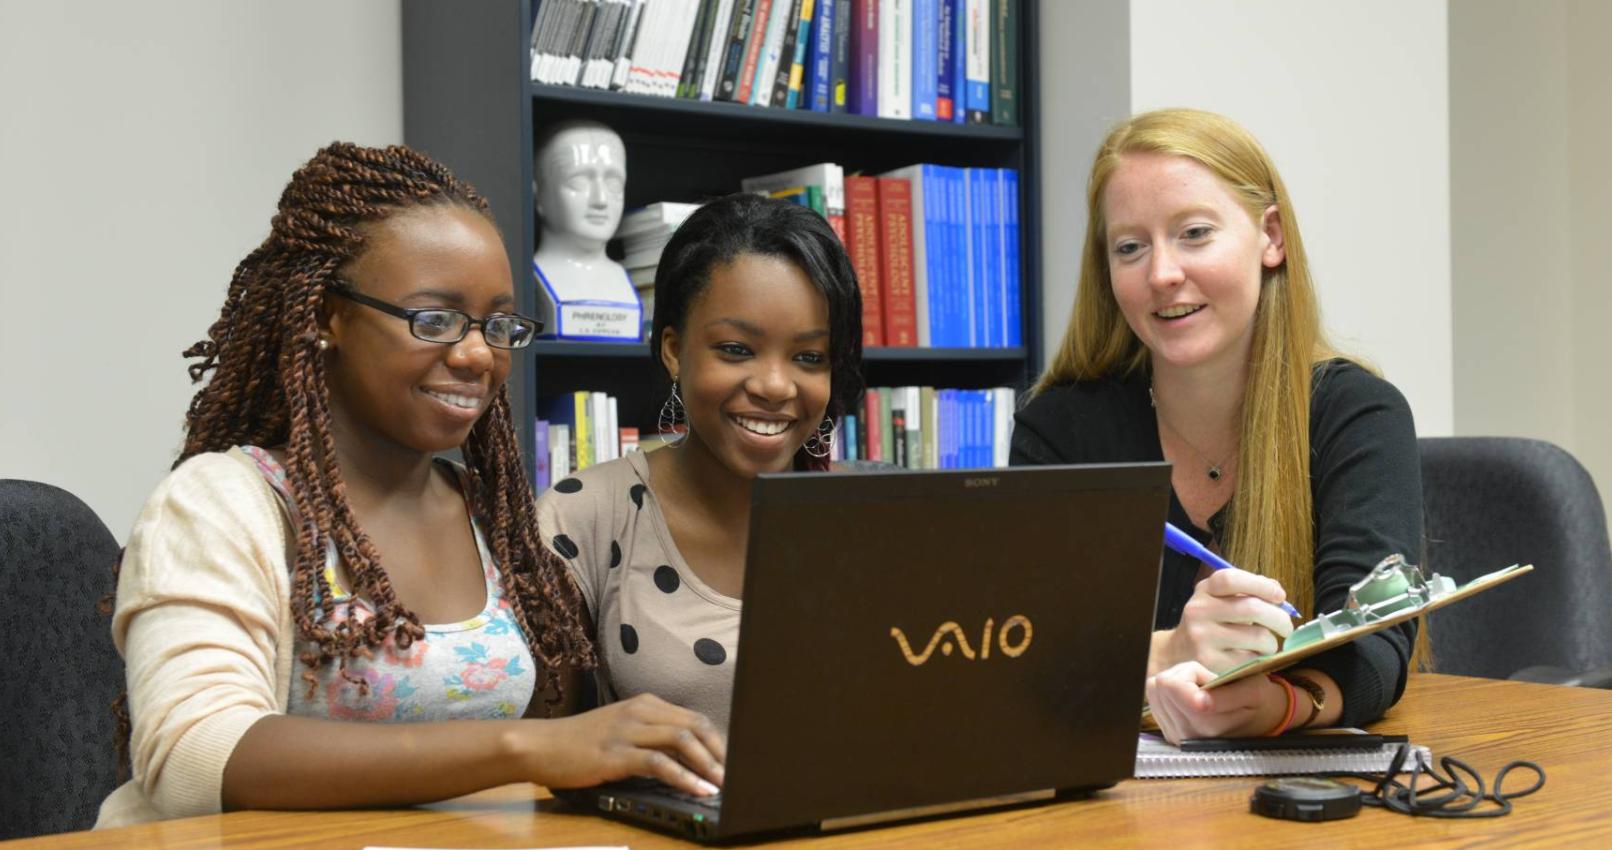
1269	528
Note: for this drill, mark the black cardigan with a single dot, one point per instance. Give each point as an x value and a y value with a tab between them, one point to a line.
1365	485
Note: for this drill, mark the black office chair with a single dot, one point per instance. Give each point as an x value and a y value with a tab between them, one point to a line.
59	672
1495	501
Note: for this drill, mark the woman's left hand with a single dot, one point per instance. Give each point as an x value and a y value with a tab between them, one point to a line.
1246	708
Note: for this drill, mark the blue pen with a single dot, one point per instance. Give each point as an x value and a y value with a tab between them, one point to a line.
1186	544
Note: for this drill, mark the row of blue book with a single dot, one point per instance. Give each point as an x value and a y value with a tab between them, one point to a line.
965	255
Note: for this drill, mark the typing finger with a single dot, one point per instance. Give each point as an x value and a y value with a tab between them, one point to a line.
685	745
656	711
659	765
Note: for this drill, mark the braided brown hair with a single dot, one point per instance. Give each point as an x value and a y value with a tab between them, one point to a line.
267	388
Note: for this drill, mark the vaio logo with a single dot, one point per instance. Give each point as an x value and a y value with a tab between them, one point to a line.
950	634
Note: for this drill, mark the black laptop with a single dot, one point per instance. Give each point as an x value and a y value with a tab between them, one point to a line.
918	643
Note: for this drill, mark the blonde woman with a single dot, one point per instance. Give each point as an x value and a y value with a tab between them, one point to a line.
1196	339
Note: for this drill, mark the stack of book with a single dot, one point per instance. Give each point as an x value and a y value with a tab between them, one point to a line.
575	431
926	428
934	60
935	248
643	234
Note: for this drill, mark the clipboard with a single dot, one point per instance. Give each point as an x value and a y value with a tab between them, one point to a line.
1287	657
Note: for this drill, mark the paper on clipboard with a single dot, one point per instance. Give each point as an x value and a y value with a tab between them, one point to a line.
1287	657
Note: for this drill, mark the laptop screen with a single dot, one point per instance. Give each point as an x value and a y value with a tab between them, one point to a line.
916	638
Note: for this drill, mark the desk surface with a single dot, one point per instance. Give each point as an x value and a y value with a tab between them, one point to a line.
1485	723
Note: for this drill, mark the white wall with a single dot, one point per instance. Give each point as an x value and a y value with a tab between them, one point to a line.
1531	124
1351	100
1589	141
144	147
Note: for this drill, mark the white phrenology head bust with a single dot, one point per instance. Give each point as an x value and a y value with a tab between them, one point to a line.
581	179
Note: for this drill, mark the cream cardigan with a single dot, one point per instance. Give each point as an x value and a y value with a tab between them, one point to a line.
203	621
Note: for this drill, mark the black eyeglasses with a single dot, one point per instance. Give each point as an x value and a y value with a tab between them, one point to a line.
440	324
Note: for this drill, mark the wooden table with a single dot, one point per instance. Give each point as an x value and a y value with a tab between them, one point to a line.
1483	722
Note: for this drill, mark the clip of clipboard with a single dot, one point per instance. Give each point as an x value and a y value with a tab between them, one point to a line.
1393	592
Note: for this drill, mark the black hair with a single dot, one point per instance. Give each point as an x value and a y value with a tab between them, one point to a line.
727	228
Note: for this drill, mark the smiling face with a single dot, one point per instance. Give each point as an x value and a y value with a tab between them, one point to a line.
752	362
384	383
1185	260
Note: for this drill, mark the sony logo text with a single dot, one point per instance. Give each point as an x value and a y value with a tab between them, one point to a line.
950	635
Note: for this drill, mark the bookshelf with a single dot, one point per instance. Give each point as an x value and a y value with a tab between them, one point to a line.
468	102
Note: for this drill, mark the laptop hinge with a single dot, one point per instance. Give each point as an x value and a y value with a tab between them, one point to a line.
937	809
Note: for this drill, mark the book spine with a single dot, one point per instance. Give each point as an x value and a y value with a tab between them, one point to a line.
727	85
679	48
931	430
925	58
978	92
840	66
786	56
895	59
924	308
625	47
559	451
651	24
540	456
582	430
986	182
771	49
915	415
945	50
959	63
716	50
863	98
862	244
822	60
898	425
688	80
803	40
887	435
1005	76
601	45
895	214
873	422
542	30
752	51
1012	311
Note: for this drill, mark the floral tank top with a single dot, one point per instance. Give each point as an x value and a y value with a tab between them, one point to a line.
480	668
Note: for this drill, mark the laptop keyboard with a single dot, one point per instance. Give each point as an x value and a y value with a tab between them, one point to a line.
712	802
655	786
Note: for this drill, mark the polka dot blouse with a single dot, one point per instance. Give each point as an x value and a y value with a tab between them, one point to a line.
660	629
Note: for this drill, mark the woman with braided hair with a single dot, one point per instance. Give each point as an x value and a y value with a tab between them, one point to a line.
309	566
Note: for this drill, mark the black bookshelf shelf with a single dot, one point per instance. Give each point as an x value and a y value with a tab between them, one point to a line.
468	101
741	115
640	351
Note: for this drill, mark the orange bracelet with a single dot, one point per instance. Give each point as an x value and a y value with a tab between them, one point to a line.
1292	705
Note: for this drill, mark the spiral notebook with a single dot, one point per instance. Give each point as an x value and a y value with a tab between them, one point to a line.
1158	759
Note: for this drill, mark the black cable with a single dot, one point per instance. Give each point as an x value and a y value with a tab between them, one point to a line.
1460	801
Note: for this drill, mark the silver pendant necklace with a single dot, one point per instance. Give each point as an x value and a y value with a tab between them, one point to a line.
1216	470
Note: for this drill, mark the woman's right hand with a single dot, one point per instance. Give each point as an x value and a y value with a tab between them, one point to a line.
1231	618
641	736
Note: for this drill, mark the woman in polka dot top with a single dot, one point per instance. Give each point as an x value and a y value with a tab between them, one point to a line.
758	326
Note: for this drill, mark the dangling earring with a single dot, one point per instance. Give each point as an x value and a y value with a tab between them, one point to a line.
673	414
821	443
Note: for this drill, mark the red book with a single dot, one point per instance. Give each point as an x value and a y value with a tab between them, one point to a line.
895	218
873	415
862	243
752	51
